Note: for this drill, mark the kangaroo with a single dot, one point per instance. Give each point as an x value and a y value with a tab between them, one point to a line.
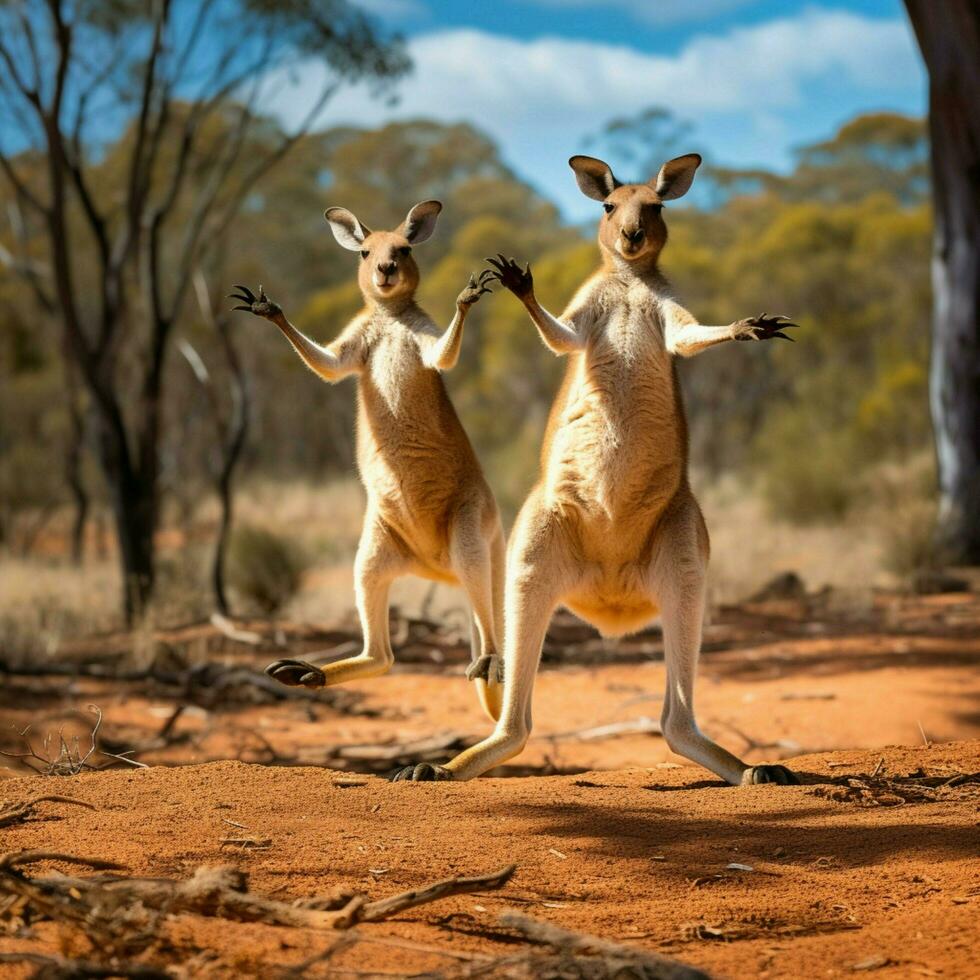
429	509
612	530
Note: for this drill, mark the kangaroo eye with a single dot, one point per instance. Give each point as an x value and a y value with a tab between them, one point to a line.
609	208
405	250
364	253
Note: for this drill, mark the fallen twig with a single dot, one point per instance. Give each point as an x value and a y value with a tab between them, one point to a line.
70	759
387	907
633	726
73	969
211	891
20	812
626	960
227	628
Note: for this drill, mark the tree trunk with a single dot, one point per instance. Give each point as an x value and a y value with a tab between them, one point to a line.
133	497
949	38
234	444
134	508
73	468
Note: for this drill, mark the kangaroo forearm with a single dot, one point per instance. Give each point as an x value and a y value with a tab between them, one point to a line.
444	353
689	339
319	360
558	337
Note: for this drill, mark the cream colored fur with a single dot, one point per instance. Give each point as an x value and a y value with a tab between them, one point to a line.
612	530
429	509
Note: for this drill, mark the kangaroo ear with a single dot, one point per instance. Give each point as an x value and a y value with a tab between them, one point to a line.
595	178
348	231
676	176
420	222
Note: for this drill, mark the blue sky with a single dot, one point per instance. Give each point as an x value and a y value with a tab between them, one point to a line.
755	78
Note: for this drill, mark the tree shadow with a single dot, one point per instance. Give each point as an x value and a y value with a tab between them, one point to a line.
808	837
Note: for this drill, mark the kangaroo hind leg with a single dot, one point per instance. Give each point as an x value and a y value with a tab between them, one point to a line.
477	557
678	581
379	561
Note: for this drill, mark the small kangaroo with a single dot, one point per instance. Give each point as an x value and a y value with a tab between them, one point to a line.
612	529
429	509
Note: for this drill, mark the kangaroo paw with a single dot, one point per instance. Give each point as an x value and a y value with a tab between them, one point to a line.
769	774
296	673
489	668
424	772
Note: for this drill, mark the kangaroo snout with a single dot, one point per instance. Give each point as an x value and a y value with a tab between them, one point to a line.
634	236
386	273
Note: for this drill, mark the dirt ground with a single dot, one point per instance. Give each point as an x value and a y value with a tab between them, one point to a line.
871	866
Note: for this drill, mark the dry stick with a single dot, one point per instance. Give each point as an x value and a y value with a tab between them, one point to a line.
59	966
227	628
387	907
652	965
19	812
8	862
633	726
220	892
352	937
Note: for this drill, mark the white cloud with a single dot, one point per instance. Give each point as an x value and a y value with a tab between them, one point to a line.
540	98
657	11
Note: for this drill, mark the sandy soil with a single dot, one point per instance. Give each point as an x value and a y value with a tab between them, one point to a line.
640	855
627	842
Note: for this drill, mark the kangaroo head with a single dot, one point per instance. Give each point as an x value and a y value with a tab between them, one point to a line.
387	271
633	228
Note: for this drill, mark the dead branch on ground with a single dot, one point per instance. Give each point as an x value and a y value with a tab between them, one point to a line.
879	790
589	956
22	812
51	967
632	726
70	759
94	904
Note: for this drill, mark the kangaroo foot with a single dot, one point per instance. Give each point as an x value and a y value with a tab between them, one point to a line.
424	772
296	673
769	774
489	668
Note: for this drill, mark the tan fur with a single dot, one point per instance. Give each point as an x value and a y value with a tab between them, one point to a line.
612	529
429	509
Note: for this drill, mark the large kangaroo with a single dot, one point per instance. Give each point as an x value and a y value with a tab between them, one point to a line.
612	529
429	510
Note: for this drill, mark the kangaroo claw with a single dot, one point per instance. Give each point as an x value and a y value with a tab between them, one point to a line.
296	673
424	772
770	774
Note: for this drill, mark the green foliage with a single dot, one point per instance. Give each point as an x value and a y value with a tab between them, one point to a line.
842	244
265	567
810	420
638	145
878	152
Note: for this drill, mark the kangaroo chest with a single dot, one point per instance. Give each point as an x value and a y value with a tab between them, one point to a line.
411	447
617	449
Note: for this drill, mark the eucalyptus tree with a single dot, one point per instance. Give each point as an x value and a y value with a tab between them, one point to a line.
949	38
132	132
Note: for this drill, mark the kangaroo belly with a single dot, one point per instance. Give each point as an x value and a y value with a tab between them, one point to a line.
616	458
418	468
614	616
617	451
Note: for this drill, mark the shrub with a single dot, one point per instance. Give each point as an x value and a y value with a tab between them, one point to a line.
265	567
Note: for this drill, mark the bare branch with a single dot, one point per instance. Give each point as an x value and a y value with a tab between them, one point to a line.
31	95
20	188
30	269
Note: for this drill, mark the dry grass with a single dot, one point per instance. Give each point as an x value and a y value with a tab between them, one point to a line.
749	547
45	599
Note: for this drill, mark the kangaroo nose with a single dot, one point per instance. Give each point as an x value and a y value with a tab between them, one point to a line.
387	268
634	237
